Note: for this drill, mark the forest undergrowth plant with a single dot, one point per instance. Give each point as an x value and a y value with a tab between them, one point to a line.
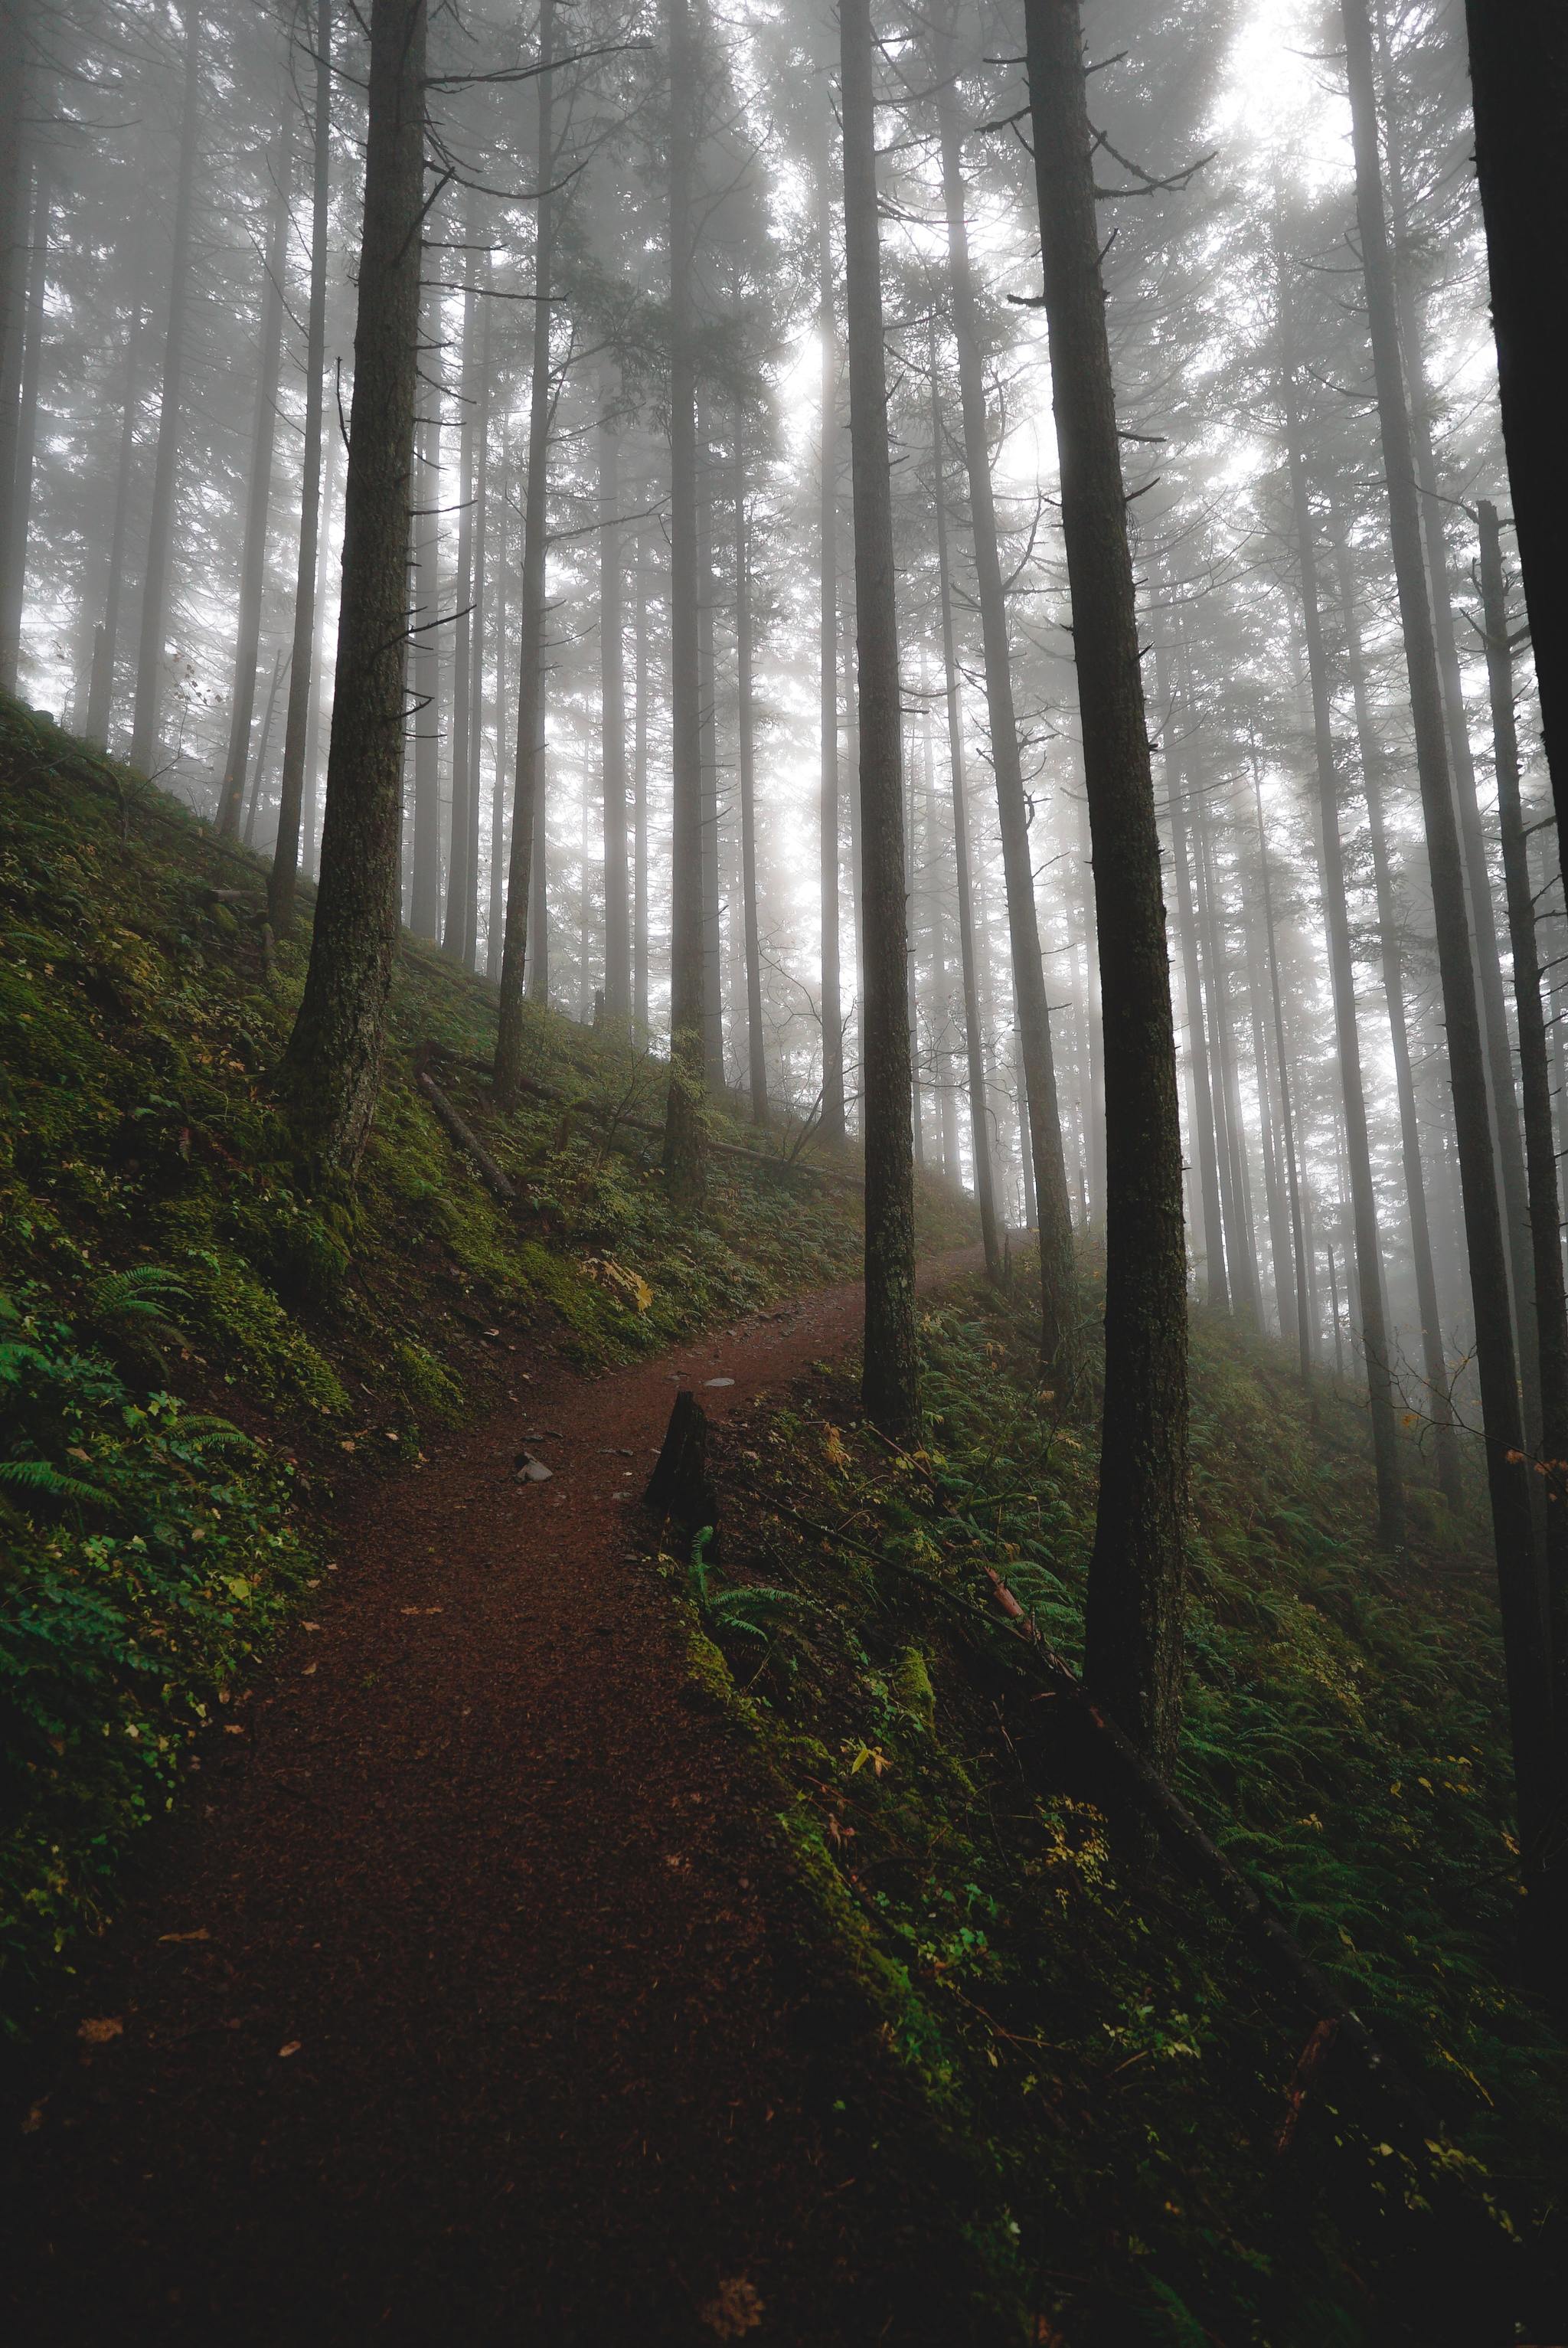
1106	2038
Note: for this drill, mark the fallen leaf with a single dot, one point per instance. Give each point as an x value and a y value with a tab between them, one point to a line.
735	2308
100	2029
306	1671
35	2119
290	2046
200	1933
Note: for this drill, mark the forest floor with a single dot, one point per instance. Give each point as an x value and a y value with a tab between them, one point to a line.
473	2002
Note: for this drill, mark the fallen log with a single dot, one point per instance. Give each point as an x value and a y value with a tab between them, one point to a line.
500	1185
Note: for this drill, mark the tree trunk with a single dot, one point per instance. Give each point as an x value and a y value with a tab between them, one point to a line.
259	496
19	508
1434	1366
321	702
333	1066
1306	1315
455	936
1230	1137
1518	90
612	714
469	878
106	637
15	54
304	686
424	661
685	1157
144	731
1057	1273
980	1141
1342	980
1216	1286
1462	766
832	1103
756	1054
525	812
259	778
707	689
639	806
1536	1074
494	914
890	1381
1137	1573
1520	1580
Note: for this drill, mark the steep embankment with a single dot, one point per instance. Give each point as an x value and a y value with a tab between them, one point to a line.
202	1367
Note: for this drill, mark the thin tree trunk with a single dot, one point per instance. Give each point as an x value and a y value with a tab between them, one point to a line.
833	1102
1434	1367
756	1055
425	660
332	1069
16	80
974	1034
525	797
144	731
1520	1580
479	599
303	671
640	805
707	688
454	939
1342	979
1539	1141
310	837
1057	1272
14	560
685	1155
259	777
612	714
105	636
1137	1573
890	1380
1216	1286
1230	1137
259	495
494	912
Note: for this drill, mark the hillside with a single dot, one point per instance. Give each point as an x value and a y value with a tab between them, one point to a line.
203	1365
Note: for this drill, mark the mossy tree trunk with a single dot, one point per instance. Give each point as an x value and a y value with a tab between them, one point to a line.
332	1069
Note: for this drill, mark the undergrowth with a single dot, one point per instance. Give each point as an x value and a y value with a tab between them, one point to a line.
1074	2010
201	1355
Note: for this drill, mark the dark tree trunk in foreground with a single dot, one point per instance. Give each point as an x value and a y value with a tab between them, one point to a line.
1057	1280
1520	1580
833	1108
1433	1365
16	81
522	857
332	1069
612	714
963	884
259	498
1519	88
144	734
424	662
1134	1652
640	805
304	680
745	721
1535	1074
685	1157
890	1381
1342	980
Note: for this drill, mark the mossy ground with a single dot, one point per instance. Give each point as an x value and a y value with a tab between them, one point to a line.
1078	2017
199	1356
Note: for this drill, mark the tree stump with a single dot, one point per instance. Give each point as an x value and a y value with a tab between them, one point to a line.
679	1485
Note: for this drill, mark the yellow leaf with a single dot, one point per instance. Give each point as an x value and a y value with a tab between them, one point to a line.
733	2309
100	2029
290	2046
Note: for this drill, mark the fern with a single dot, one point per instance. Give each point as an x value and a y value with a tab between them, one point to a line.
49	1482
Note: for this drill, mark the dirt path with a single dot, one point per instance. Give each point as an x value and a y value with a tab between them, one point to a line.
466	2007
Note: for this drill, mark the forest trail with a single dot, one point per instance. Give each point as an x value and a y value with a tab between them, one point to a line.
472	2009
